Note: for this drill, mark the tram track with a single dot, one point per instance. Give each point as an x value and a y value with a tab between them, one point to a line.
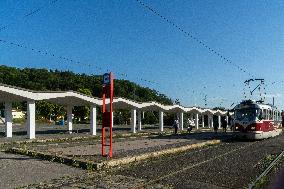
267	170
231	164
150	182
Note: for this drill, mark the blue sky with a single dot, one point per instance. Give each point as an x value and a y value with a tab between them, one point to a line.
124	37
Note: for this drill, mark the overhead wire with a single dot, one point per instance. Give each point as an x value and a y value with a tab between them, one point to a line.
44	52
199	41
71	60
31	13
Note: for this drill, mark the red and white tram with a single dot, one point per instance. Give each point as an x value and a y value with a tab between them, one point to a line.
256	120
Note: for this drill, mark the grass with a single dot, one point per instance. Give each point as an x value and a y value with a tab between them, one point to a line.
264	163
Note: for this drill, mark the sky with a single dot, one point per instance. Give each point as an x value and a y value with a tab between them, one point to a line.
128	39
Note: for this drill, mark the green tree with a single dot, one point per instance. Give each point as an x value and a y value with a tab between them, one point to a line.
82	112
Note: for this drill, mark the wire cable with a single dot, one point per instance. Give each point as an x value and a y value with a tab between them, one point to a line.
31	13
71	60
186	33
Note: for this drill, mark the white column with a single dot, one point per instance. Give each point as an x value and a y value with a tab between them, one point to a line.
69	118
181	120
208	121
139	121
196	121
161	121
227	120
8	118
93	120
219	121
133	120
31	119
202	120
212	121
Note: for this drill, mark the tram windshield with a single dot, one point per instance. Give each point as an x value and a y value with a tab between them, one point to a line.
247	114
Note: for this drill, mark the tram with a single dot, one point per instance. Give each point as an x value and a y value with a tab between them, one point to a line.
256	120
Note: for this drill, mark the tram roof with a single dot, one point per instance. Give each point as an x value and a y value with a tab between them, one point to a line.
254	104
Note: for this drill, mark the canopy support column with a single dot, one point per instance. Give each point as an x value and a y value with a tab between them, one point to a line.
8	119
196	121
219	121
139	121
69	118
133	120
208	121
181	120
93	120
31	119
161	121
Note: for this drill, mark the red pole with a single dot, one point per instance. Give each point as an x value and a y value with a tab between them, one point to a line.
110	109
107	116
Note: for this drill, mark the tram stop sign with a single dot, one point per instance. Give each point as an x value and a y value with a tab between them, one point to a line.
106	79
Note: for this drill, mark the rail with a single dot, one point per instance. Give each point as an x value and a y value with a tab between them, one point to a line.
267	170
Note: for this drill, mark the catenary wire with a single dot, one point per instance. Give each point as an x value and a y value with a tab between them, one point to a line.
30	13
199	41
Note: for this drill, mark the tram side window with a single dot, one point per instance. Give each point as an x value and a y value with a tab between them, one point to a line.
259	114
278	116
264	114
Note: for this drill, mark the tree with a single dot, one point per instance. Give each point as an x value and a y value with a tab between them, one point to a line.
82	112
55	80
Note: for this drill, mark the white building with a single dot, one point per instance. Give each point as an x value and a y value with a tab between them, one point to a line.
18	114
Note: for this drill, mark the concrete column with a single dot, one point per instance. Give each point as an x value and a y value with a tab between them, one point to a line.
208	121
8	118
143	115
161	121
31	119
227	120
212	121
181	120
202	120
133	120
93	120
219	121
69	119
139	121
196	121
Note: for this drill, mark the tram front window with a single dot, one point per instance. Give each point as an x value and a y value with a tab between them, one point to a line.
247	114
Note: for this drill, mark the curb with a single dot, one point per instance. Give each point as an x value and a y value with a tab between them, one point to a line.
90	165
127	160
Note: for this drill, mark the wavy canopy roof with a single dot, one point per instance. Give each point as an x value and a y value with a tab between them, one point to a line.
15	94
